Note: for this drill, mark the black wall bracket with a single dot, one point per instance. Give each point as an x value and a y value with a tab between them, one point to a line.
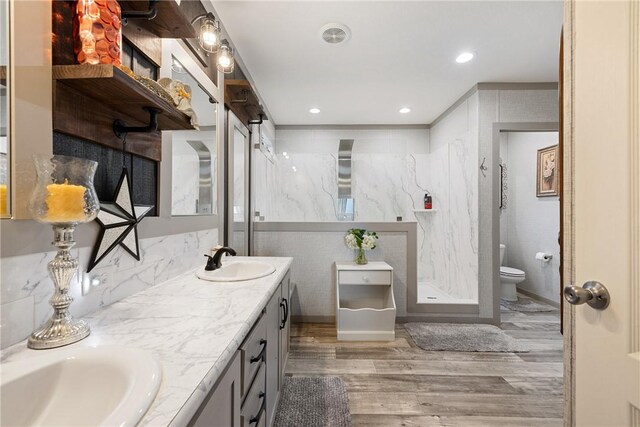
121	129
141	14
259	121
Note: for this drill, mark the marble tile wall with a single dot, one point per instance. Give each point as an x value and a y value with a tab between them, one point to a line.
26	288
454	177
391	171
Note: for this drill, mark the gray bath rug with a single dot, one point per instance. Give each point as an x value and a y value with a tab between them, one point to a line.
526	305
460	337
313	402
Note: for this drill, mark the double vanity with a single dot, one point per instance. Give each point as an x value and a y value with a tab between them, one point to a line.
186	352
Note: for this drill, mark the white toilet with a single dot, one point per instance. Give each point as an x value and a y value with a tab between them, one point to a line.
509	278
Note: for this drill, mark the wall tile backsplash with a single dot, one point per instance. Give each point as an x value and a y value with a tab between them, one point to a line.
26	288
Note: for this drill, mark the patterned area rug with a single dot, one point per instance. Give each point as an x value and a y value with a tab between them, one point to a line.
460	337
313	402
526	305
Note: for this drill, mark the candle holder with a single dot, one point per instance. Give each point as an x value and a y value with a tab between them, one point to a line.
64	197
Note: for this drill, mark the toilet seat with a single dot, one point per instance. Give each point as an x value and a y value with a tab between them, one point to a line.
511	272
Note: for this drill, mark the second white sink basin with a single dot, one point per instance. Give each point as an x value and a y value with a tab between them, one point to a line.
83	386
237	271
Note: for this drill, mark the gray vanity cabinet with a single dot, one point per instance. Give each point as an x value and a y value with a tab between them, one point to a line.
273	317
246	395
221	408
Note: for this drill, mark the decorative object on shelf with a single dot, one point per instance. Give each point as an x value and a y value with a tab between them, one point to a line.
361	240
503	185
117	220
546	179
226	62
428	201
63	197
181	95
154	87
97	31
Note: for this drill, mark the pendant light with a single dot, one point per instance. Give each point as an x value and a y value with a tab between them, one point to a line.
225	61
209	33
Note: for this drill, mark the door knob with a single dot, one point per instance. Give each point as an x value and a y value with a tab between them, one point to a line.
593	293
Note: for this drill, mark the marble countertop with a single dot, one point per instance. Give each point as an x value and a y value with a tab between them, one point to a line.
193	327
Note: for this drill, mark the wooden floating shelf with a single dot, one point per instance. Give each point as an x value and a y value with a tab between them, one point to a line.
169	23
240	98
111	87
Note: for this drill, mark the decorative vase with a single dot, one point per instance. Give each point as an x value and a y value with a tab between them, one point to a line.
361	258
98	32
64	197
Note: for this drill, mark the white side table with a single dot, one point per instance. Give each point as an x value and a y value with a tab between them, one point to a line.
366	309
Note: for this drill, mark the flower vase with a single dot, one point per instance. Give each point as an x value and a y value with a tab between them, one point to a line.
361	258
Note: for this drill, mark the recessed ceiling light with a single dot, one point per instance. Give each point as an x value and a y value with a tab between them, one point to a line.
404	110
464	57
314	110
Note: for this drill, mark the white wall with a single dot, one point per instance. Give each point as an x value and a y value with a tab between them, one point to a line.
530	224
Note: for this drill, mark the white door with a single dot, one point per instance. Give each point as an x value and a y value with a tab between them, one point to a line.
606	164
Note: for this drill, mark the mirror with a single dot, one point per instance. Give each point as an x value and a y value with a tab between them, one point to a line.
194	153
5	210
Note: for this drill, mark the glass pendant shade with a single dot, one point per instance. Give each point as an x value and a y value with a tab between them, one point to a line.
64	192
225	62
209	36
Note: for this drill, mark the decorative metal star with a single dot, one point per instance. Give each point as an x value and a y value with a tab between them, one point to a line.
117	220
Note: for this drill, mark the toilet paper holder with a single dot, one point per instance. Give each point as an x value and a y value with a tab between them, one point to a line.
541	256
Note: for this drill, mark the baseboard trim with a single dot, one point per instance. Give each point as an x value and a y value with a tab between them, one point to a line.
539	298
401	319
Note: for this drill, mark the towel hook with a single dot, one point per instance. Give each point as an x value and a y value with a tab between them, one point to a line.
483	168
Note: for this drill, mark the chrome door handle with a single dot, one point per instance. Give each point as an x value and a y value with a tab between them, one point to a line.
593	293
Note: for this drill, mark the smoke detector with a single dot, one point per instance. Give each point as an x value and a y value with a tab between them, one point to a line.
334	33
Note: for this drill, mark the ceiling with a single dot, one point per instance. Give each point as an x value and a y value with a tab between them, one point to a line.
401	53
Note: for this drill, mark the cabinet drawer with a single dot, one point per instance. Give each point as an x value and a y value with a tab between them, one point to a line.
253	352
364	277
253	408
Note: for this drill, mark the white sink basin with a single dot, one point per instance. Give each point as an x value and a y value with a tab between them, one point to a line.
83	386
237	271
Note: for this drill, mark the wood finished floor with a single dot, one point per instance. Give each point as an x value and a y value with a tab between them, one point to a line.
398	384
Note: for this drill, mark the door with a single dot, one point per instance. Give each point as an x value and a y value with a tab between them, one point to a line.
237	185
606	167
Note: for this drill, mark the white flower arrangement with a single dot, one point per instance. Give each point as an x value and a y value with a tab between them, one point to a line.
358	238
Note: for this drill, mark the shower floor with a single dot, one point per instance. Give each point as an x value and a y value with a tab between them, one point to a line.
431	294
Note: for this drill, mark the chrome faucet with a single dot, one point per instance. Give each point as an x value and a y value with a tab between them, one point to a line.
215	262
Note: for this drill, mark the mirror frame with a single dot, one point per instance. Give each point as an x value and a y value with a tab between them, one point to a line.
172	48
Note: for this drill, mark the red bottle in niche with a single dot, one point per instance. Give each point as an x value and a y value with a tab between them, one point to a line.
97	31
428	201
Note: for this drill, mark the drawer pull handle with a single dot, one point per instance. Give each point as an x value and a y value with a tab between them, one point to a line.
254	420
284	304
260	356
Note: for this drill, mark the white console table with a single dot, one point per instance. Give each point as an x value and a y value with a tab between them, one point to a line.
366	309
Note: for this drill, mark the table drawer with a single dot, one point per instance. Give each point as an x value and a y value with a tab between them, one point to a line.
253	352
253	409
359	277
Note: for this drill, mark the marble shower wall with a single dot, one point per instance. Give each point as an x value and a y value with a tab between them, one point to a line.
391	171
453	228
26	288
389	174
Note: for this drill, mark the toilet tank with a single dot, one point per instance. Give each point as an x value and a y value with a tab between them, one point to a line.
502	248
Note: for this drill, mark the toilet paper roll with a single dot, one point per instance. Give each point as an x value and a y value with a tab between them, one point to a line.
543	256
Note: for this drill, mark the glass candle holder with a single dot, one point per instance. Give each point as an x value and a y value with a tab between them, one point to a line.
64	197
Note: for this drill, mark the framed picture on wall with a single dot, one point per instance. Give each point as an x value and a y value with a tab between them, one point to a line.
547	179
